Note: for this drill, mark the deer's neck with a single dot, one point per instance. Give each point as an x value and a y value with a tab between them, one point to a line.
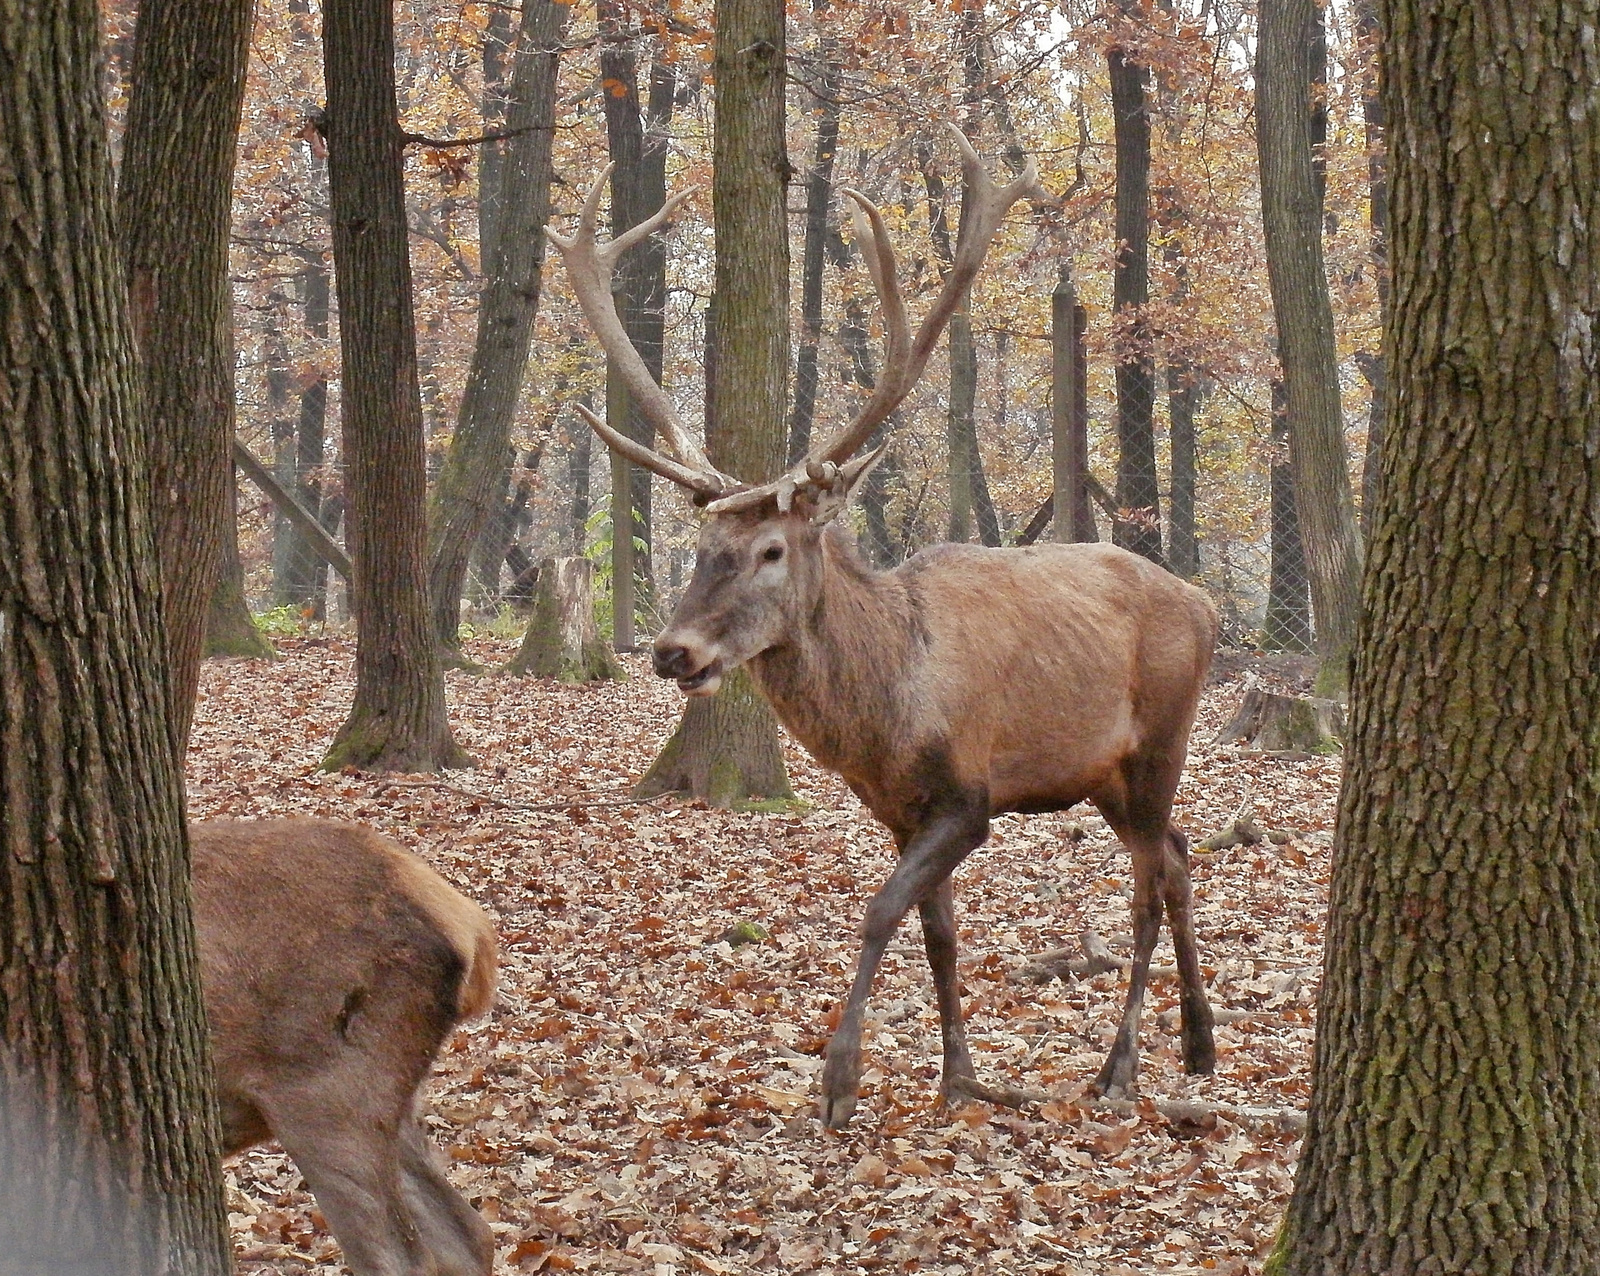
840	682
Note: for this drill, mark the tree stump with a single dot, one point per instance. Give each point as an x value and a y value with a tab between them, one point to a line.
1277	723
562	641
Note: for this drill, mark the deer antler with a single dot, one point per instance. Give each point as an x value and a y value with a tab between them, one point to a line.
824	469
589	266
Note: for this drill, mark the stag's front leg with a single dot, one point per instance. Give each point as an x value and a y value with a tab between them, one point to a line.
928	859
938	910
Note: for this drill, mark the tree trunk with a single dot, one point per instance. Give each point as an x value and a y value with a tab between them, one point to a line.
726	747
1291	212
561	640
819	193
230	629
1138	484
1183	549
1069	431
305	573
578	462
1287	626
109	1141
1375	366
960	431
1455	1083
465	491
173	211
969	489
397	722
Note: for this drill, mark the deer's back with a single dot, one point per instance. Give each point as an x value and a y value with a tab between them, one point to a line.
1049	665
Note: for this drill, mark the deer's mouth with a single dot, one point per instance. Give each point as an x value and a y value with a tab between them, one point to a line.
703	683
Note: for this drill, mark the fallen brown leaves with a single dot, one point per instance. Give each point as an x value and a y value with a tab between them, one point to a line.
642	1099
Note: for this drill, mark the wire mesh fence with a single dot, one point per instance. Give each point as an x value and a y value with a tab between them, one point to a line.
1164	478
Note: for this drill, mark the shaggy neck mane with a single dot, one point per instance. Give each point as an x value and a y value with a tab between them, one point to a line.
833	680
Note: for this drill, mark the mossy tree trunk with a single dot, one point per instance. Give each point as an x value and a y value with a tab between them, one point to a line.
230	629
174	207
1456	1082
562	640
397	722
109	1142
726	747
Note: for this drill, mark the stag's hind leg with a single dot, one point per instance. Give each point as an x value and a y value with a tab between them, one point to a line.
1199	1050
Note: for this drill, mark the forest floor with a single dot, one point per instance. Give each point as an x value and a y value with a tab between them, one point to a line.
642	1099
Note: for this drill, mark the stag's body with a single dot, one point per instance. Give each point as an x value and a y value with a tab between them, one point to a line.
966	683
334	964
1018	679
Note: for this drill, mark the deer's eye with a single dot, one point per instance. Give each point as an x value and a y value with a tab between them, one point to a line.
772	553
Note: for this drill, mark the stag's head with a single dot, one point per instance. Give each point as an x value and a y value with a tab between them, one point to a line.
758	568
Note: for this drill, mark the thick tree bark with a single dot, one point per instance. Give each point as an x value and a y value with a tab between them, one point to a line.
109	1142
397	722
1455	1084
1183	392
1138	483
173	211
1287	626
1374	367
1069	432
465	492
969	488
1291	213
819	195
726	747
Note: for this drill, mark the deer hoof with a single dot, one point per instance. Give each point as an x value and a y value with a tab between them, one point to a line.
841	1077
1117	1079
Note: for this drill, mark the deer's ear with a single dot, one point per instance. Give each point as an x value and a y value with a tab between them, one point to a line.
829	504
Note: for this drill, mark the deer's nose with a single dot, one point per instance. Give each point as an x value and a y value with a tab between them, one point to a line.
671	662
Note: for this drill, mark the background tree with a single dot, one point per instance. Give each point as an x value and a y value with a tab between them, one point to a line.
397	722
1292	219
174	202
476	465
108	1138
726	746
1455	1084
636	139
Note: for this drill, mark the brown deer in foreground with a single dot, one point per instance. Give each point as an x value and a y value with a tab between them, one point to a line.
965	683
334	964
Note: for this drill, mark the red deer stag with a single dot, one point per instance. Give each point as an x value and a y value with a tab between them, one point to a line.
965	683
334	963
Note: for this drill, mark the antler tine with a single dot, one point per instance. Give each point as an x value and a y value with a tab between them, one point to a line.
589	266
824	470
904	359
981	221
639	454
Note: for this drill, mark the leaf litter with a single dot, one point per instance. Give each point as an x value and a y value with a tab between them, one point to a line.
642	1099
